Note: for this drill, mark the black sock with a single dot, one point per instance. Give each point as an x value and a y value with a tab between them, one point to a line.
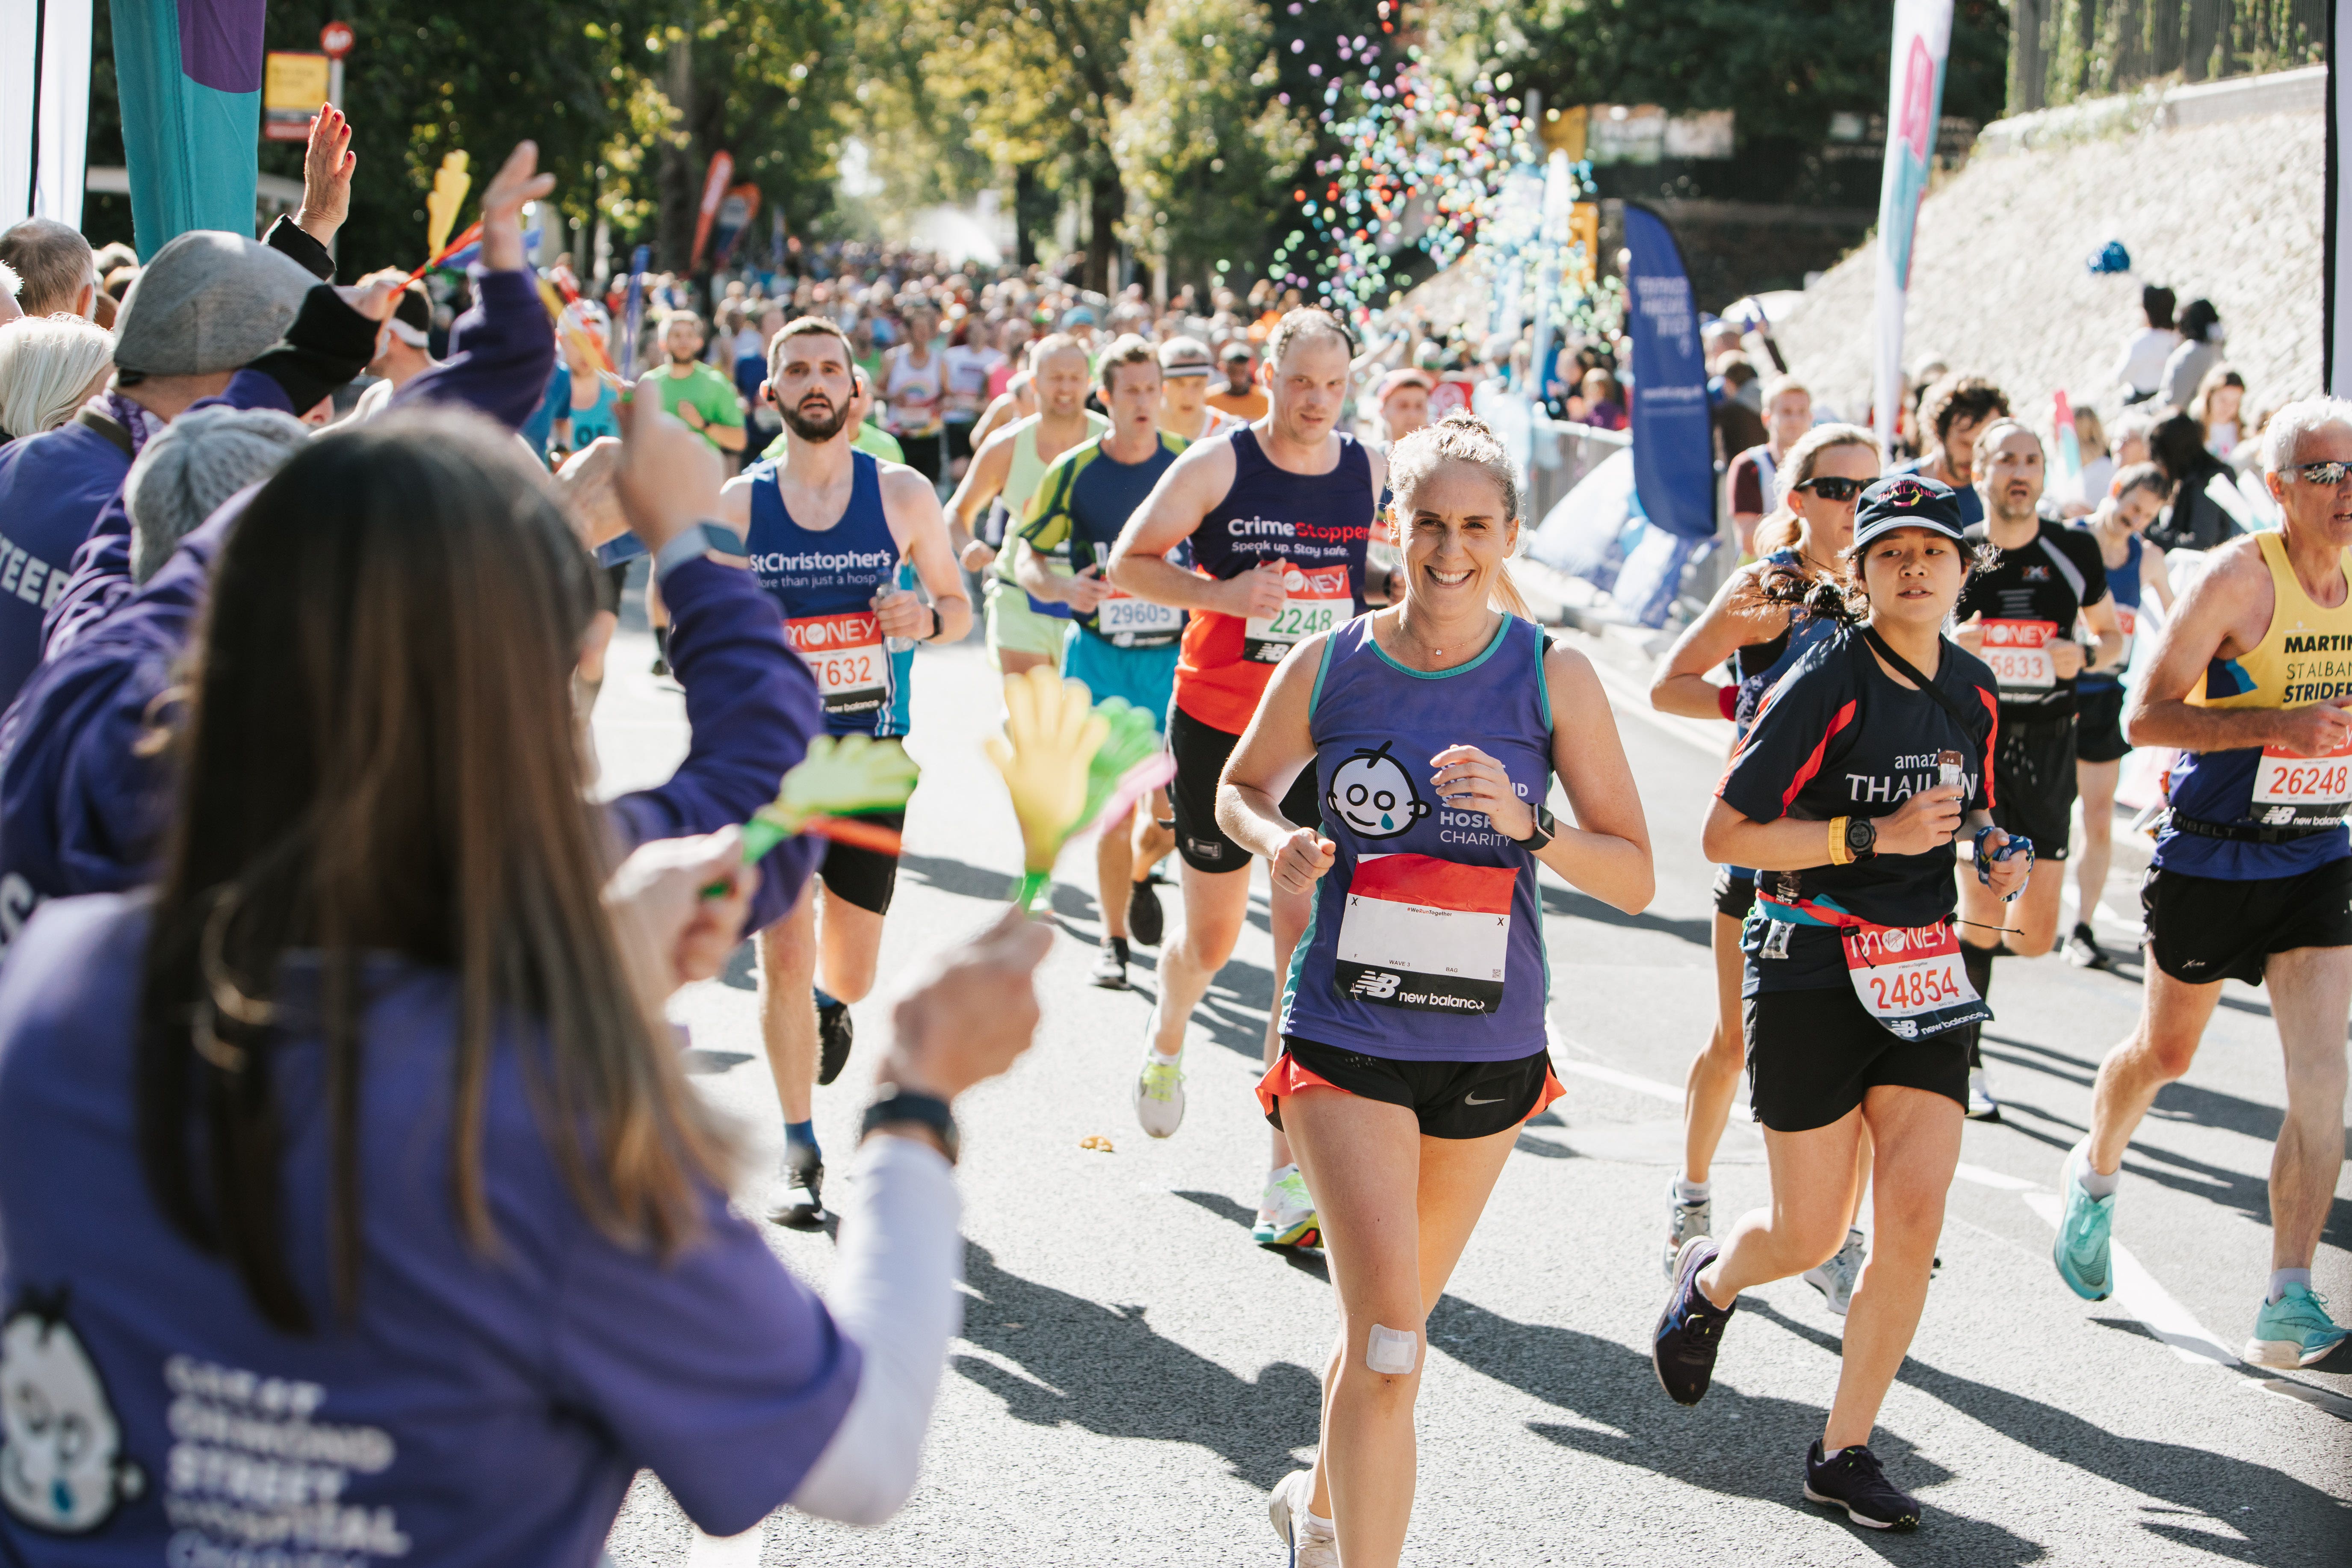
661	641
1977	962
1117	944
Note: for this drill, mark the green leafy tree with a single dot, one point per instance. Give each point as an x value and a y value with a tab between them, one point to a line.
1202	137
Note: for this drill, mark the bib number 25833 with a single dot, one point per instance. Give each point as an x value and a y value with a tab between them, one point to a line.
1426	934
1314	599
2019	653
1911	979
844	652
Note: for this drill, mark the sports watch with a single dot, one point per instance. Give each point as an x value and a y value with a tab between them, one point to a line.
1861	838
1545	826
904	1105
692	544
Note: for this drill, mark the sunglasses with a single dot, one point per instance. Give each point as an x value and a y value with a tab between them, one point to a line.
2322	473
1833	490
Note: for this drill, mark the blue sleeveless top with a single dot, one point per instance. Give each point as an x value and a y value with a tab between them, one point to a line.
2123	582
1759	668
1426	939
825	580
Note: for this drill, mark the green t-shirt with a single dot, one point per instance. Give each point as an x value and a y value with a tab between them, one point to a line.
871	439
713	396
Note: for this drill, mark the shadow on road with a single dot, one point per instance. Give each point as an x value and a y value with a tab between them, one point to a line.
2290	1520
1104	1370
1568	901
1225	1208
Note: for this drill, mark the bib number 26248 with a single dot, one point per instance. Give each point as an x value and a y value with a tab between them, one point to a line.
1314	599
2302	792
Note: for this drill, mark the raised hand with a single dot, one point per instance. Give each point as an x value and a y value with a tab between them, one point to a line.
516	183
663	904
326	165
668	476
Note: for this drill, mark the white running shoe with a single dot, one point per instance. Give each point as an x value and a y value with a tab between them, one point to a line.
1287	1507
1834	1280
1687	1220
1160	1087
1286	1215
1983	1106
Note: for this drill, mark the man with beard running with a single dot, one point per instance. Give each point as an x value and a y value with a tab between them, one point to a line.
1277	516
2018	615
831	532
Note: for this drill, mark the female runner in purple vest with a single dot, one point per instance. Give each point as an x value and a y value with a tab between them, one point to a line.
1413	1014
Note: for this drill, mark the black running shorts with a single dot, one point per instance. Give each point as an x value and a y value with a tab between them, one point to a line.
1735	891
611	581
1811	1056
2099	726
2033	781
1452	1099
860	875
2204	928
1201	751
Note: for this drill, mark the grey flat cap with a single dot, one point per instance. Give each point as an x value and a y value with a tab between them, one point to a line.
209	301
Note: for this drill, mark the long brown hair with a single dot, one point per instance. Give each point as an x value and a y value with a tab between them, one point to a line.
379	758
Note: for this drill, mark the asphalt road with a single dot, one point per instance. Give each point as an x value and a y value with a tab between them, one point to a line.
1134	1375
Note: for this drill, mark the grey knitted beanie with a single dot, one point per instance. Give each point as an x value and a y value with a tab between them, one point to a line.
200	459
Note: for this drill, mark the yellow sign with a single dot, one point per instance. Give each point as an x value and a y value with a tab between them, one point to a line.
1583	230
293	89
1564	131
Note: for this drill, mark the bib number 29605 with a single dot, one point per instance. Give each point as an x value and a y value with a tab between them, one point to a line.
1314	600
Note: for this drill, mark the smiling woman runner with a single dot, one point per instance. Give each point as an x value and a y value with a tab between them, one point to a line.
1845	796
1413	1018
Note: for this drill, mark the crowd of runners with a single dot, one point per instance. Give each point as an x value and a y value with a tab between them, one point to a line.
350	1189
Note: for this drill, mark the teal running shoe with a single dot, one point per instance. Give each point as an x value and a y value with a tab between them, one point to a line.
2081	1250
2294	1331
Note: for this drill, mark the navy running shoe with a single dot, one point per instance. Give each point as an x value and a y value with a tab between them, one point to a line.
1690	1330
1851	1480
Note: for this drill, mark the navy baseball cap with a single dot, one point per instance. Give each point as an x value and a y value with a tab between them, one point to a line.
1908	500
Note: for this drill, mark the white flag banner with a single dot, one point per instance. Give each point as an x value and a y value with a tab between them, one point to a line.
44	109
1915	97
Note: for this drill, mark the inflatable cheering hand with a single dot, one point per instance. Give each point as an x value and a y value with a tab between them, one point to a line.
450	184
1129	762
1051	735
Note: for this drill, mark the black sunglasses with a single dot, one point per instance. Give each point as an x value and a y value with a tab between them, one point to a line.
2322	473
1835	490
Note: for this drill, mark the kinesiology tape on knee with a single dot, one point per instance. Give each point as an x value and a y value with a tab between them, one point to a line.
1396	1351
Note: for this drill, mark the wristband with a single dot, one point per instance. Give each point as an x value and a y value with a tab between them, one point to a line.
1727	700
1838	855
902	1105
692	544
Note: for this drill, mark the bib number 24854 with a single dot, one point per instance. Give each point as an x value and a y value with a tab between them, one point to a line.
1911	979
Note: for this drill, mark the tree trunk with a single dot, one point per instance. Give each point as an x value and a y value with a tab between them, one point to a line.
1106	205
1031	204
681	182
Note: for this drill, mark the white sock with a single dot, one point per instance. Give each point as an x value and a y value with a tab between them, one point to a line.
1166	1060
2282	1278
1692	1192
2092	1182
1317	1525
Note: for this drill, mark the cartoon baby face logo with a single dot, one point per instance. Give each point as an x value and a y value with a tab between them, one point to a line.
1375	795
61	1464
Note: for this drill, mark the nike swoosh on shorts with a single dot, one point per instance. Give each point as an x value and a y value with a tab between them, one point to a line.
1473	1100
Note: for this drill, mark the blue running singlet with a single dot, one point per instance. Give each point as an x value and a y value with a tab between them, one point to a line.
2124	587
825	580
1426	939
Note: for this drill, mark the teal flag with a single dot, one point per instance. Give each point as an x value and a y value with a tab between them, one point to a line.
189	76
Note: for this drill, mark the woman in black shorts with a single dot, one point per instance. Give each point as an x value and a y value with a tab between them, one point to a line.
1760	639
1847	794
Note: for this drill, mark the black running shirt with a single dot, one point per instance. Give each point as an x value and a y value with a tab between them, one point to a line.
2029	594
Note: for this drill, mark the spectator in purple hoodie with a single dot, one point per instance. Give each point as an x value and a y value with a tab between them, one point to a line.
351	1199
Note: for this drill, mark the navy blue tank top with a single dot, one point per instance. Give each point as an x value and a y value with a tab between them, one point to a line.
826	579
2123	582
1426	939
1759	666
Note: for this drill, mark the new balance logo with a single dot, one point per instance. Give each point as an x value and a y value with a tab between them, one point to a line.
1377	985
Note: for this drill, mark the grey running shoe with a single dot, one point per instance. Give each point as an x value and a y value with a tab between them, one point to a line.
1835	1279
1687	1220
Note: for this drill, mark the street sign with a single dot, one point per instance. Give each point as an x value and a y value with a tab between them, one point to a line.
335	37
293	88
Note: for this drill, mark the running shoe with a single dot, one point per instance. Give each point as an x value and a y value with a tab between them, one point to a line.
1110	969
833	1033
2294	1331
1145	921
1687	1220
1851	1480
1160	1087
660	665
2082	949
804	1204
1286	1215
1835	1279
1287	1507
2079	1250
1690	1330
1983	1106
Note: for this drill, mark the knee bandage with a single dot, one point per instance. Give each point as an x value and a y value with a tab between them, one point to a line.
1395	1350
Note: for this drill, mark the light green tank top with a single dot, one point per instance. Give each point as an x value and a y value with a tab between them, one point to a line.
1021	476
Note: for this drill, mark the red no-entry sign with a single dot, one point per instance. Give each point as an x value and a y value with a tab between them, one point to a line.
335	37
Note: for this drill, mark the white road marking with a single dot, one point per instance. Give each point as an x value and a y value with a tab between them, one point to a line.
729	1551
1985	1178
2136	1292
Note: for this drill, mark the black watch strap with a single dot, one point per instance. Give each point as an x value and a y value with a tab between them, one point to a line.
902	1105
1547	825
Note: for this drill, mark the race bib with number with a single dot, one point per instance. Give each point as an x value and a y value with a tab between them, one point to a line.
2127	619
2302	792
844	652
1130	622
2019	653
1424	933
1911	979
1314	600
